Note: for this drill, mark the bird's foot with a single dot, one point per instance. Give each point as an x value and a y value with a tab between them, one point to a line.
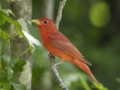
55	65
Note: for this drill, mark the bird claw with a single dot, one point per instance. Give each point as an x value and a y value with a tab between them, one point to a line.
54	66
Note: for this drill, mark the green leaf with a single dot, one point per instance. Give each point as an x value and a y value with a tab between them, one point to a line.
18	86
100	14
7	85
10	72
21	63
118	79
33	37
38	55
0	7
14	61
2	20
6	59
101	87
5	36
4	12
0	49
18	67
17	25
3	78
84	83
4	82
7	12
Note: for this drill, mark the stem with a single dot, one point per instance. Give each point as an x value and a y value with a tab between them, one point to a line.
24	52
12	37
2	60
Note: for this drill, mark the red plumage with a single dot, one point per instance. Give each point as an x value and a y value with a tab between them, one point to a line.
57	44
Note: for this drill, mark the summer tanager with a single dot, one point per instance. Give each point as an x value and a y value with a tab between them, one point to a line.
57	44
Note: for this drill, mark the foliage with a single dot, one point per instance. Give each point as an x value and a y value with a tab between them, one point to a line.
95	11
9	68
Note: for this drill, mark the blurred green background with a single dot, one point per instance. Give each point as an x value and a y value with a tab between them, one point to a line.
93	27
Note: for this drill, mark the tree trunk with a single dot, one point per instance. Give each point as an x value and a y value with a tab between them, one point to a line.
23	12
48	9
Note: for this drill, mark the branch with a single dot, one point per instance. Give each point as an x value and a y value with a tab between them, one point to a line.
55	72
52	58
59	14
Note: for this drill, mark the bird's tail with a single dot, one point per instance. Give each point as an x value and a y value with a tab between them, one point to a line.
85	68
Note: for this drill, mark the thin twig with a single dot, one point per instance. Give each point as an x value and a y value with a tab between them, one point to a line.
52	58
59	14
24	52
55	72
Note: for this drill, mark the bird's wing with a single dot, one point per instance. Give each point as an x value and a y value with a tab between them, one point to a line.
58	40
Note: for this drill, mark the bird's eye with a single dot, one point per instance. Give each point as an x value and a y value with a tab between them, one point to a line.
45	22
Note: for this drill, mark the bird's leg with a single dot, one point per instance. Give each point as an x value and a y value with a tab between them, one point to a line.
54	66
63	59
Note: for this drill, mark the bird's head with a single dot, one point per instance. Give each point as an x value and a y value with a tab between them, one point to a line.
45	24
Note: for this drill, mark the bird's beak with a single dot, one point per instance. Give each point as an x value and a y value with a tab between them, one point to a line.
37	22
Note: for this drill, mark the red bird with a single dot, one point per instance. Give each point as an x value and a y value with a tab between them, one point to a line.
57	44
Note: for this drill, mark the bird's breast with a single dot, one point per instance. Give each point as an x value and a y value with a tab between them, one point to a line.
55	51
